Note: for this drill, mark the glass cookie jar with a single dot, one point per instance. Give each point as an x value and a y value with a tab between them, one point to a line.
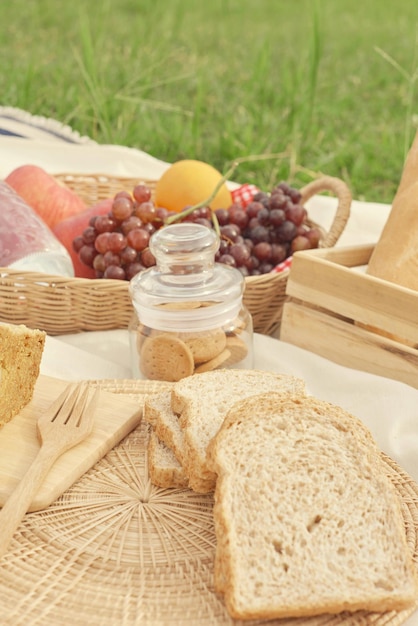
189	315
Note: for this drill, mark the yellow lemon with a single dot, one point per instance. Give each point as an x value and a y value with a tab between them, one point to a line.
189	182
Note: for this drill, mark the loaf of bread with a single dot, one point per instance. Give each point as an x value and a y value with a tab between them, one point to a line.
395	256
306	519
202	401
21	350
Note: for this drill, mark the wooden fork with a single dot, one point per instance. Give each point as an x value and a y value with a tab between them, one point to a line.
67	422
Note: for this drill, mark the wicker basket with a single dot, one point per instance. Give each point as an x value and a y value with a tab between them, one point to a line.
61	305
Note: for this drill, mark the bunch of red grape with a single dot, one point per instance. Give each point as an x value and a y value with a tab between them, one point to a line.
116	245
254	239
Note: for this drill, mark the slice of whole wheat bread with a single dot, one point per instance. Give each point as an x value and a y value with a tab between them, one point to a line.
202	400
164	469
307	519
158	413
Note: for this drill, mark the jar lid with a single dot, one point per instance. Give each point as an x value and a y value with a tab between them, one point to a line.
186	289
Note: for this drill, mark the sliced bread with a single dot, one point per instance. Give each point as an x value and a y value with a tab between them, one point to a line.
202	400
307	520
164	469
158	413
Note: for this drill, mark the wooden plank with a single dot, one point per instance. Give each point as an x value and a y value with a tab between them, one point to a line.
347	344
366	299
349	256
116	416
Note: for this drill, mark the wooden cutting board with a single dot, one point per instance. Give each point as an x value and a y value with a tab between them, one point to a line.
116	416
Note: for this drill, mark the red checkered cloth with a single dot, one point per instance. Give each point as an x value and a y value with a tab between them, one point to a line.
284	265
244	194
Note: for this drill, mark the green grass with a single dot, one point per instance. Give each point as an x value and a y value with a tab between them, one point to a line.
302	86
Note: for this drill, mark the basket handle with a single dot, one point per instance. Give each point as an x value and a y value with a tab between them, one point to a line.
340	189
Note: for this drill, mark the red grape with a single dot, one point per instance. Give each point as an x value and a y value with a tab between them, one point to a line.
240	253
114	272
89	234
146	212
78	243
130	223
99	263
128	255
222	216
265	267
123	194
314	236
296	214
133	269
102	242
277	217
278	253
230	231
238	216
263	217
300	243
287	231
138	239
277	200
87	254
253	208
252	264
147	258
262	251
259	233
110	258
116	242
122	208
228	259
104	223
141	193
160	215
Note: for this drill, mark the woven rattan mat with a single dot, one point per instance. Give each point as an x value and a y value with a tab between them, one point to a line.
114	550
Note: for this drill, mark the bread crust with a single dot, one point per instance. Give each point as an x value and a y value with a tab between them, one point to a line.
395	256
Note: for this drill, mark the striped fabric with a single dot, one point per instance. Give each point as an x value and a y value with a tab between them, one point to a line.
17	123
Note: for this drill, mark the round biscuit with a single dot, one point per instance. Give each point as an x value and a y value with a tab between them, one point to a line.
205	345
213	364
166	357
238	350
146	331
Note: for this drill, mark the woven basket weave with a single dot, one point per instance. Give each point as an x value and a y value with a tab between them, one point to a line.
116	550
66	305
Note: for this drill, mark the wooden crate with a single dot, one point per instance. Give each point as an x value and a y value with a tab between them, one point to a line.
339	312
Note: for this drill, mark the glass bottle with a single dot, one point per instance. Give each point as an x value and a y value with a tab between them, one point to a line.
189	315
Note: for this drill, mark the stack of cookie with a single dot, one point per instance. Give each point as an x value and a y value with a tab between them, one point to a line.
171	356
187	416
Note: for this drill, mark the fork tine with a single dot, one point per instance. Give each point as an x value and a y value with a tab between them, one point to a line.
85	404
54	408
72	402
61	410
